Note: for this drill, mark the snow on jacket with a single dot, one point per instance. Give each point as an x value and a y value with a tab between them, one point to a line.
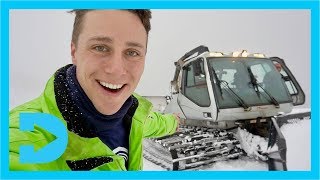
85	151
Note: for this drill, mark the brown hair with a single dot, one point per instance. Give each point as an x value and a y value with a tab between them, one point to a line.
143	14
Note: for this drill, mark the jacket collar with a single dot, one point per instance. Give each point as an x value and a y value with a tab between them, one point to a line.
75	120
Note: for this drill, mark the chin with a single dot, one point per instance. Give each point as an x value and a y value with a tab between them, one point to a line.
109	108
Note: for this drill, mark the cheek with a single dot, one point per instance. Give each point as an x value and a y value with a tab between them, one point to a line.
86	70
88	62
137	70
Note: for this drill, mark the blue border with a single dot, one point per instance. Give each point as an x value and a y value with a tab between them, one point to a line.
313	6
158	4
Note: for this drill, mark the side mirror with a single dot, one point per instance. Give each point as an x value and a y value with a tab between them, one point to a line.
174	87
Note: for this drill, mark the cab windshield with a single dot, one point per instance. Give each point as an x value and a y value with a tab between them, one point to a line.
255	80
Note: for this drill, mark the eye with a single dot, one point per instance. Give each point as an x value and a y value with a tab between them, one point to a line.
132	53
100	48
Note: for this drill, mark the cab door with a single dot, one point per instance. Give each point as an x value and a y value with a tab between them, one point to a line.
194	98
292	84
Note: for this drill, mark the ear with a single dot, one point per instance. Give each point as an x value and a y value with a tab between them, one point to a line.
73	53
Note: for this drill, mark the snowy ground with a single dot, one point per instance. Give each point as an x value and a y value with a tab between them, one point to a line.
298	152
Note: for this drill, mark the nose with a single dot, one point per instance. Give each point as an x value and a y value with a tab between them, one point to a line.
115	64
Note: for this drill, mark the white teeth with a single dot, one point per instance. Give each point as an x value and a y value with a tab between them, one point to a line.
111	86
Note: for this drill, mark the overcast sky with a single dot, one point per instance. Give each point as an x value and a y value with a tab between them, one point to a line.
40	44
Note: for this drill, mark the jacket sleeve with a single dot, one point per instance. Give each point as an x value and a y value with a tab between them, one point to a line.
157	125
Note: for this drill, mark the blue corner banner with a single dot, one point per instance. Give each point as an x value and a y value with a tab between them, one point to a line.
51	151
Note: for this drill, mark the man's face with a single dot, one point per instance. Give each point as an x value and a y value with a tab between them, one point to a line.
278	66
110	57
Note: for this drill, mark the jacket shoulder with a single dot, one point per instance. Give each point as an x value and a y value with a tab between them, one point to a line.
32	106
144	108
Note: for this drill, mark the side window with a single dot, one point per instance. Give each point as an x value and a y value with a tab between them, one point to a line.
190	76
292	85
291	88
195	84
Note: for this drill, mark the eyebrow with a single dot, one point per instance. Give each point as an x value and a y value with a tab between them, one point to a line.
107	39
134	44
101	39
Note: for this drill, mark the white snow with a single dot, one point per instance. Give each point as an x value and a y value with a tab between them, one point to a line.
299	110
253	145
243	163
298	140
149	166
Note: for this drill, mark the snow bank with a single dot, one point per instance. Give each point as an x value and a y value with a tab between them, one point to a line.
298	138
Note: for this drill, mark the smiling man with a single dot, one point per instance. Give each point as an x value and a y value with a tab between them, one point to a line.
95	97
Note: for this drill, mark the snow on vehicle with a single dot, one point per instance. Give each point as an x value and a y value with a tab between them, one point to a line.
214	93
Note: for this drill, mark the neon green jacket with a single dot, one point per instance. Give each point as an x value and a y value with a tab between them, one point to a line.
145	123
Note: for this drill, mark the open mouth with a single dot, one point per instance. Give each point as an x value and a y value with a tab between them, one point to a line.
113	88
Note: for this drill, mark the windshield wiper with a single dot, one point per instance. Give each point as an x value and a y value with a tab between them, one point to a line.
256	86
213	72
254	82
238	98
273	100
